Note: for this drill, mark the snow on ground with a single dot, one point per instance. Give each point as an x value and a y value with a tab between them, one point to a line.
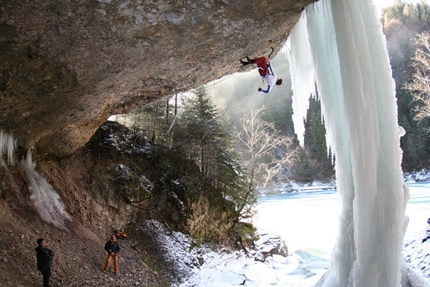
416	252
421	176
222	267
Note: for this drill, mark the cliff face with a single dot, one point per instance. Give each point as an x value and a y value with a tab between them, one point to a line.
66	66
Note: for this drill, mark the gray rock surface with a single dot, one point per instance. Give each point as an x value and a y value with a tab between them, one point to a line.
66	66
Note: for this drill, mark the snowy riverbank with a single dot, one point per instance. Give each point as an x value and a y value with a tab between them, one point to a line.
303	267
300	269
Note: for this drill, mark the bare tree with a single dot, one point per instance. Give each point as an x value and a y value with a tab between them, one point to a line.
266	152
420	85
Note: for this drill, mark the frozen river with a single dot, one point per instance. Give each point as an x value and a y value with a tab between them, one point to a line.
309	220
308	223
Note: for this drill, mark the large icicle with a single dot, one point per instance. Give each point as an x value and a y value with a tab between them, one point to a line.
357	94
329	83
301	65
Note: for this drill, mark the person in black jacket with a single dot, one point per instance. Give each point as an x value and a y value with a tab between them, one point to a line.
112	247
44	260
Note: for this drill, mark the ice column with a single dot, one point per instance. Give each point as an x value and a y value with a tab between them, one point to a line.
357	93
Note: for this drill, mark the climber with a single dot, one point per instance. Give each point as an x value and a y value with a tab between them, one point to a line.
120	234
266	72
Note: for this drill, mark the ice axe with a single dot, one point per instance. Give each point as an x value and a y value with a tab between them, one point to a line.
271	52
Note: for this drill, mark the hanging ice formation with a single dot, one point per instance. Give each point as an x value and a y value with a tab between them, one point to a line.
46	200
349	62
43	196
7	146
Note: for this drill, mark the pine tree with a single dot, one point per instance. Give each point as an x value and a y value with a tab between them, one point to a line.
403	22
201	133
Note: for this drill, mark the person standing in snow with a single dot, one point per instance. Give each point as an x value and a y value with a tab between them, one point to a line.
112	247
44	260
266	72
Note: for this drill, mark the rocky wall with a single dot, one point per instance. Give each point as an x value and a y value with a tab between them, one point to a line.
66	66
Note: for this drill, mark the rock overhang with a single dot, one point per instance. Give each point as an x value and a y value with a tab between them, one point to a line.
66	67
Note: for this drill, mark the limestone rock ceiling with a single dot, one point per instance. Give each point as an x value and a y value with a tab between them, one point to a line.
66	66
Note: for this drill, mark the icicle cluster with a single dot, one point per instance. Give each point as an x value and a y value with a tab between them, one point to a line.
46	200
7	146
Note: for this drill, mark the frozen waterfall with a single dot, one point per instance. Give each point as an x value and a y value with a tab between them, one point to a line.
43	196
349	62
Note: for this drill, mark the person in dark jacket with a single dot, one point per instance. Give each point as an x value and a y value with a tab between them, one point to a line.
44	260
112	247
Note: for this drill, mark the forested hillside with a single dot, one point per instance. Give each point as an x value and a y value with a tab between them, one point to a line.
402	24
